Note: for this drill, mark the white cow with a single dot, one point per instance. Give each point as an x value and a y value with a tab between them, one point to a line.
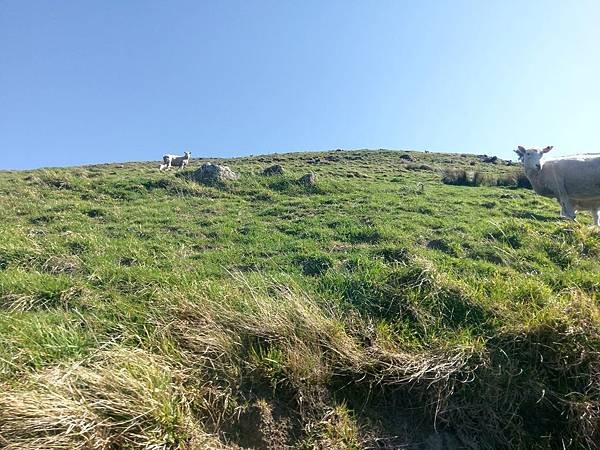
573	180
175	160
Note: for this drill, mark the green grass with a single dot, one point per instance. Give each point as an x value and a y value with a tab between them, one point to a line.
371	309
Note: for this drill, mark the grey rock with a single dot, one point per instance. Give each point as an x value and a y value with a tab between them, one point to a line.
310	179
489	159
276	169
214	173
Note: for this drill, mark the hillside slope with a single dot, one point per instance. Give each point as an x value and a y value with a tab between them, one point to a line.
379	308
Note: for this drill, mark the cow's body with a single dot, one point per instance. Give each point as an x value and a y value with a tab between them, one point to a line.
573	180
175	161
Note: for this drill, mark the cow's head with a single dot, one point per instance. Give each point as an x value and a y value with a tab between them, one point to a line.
187	154
532	157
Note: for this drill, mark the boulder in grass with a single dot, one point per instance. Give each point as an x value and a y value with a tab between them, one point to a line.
310	179
211	173
490	159
276	169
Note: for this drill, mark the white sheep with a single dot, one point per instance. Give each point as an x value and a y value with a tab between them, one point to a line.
175	160
573	180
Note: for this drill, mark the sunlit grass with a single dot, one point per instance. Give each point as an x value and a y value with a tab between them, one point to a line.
367	310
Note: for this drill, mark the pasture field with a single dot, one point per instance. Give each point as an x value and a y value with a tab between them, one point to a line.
379	308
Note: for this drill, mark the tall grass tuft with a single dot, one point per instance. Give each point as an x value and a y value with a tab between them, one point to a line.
118	398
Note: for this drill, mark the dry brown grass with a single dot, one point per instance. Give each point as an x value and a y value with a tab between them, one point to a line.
118	398
300	347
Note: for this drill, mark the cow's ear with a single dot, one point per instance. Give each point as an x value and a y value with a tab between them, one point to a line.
547	149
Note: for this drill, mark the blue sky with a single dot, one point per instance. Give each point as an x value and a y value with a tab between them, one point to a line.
87	82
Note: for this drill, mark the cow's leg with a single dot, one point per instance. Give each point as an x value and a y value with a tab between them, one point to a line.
166	165
596	216
567	209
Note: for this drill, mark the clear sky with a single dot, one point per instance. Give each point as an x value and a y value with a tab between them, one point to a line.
100	81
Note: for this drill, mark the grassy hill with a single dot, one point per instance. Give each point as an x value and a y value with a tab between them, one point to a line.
380	308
